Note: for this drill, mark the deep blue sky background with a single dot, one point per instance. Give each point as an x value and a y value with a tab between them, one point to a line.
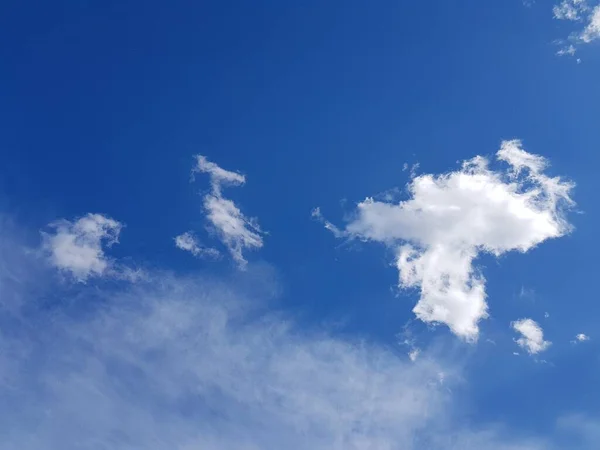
103	104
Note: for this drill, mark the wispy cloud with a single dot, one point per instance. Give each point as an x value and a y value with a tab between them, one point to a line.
234	229
532	336
586	14
451	218
190	364
581	337
189	243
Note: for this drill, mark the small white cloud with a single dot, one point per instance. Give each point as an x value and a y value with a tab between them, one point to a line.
546	315
218	176
188	242
532	334
451	218
581	338
77	247
234	229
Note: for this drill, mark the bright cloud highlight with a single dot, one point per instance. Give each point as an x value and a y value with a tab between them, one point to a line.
451	218
532	336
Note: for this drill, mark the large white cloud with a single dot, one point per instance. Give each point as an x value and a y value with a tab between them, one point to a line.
532	336
235	230
451	218
77	247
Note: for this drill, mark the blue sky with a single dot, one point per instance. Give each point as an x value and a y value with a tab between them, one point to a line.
167	281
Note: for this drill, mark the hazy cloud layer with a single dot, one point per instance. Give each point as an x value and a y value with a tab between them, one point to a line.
188	364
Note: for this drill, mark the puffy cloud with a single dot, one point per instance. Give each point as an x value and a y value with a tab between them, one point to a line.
532	338
77	247
451	218
581	338
234	229
188	242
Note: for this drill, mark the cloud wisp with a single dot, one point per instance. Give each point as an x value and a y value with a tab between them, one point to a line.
532	336
236	231
189	243
451	218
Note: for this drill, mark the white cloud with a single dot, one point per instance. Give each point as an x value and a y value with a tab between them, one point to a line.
532	338
188	242
581	338
77	247
569	10
451	218
234	229
578	11
218	176
592	29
